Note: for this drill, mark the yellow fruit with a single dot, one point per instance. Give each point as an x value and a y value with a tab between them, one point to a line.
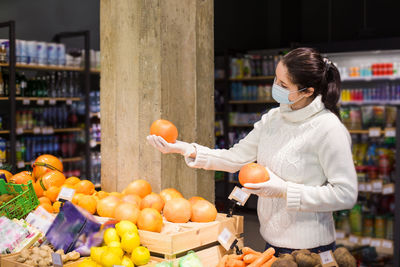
114	244
110	235
116	251
140	256
57	206
87	263
110	258
130	241
125	226
96	252
126	261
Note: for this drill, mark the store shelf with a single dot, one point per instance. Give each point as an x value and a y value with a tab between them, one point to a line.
4	131
95	114
59	130
260	78
48	98
241	125
4	98
371	78
240	102
75	159
48	67
361	103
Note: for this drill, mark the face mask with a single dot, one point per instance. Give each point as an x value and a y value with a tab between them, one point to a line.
281	95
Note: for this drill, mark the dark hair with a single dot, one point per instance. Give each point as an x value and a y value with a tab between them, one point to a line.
307	68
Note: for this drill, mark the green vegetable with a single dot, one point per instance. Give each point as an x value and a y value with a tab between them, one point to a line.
190	260
164	264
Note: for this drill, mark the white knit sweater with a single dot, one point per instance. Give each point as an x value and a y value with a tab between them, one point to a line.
311	150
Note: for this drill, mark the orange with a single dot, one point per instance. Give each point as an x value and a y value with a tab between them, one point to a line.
76	198
45	163
101	194
88	203
44	200
134	199
47	207
52	193
170	193
193	200
21	178
150	220
52	178
7	174
38	189
57	206
253	173
68	186
106	206
165	129
127	211
85	187
116	194
138	187
72	180
152	200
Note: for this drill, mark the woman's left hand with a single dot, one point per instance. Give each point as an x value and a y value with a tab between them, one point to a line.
274	187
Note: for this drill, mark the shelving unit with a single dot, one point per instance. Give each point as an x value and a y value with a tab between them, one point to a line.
4	131
59	130
247	79
245	102
48	67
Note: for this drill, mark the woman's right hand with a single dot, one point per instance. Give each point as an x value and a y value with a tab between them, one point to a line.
179	147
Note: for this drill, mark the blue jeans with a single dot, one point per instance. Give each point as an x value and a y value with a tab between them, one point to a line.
278	250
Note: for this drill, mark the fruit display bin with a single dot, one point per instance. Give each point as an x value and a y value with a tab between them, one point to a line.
11	261
24	202
176	239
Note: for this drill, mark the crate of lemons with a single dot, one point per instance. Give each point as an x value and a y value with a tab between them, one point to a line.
121	246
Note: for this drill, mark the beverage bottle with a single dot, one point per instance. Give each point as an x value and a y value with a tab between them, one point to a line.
33	89
3	145
58	84
2	93
64	86
18	154
17	85
6	84
265	66
23	149
77	85
24	84
71	84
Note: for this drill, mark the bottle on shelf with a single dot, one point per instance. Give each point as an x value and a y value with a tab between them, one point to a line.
2	91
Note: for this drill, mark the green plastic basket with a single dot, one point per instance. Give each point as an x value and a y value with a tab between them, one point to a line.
24	202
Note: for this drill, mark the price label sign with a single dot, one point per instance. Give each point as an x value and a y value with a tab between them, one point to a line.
66	194
21	164
92	143
57	260
366	241
361	187
52	102
390	132
239	195
353	239
388	189
327	259
374	132
69	102
40	102
387	244
226	238
377	186
340	234
375	243
26	102
37	130
368	187
19	130
50	130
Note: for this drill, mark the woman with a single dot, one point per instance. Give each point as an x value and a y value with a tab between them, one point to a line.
306	150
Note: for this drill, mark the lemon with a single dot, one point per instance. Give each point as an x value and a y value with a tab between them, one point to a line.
109	258
110	235
130	241
126	261
87	263
96	252
116	251
114	244
125	226
140	256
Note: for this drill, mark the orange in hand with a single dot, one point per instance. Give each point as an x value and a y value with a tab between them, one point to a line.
165	129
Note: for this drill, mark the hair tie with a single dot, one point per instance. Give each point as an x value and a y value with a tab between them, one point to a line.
328	63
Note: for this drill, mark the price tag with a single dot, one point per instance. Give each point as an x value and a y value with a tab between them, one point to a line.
327	259
40	102
37	130
374	132
353	239
366	241
92	143
226	238
239	195
375	243
19	130
361	187
340	234
69	102
66	193
387	244
388	189
52	102
390	132
21	164
26	102
377	186
368	187
57	260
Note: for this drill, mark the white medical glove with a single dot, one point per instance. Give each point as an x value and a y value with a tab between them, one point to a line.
275	187
179	147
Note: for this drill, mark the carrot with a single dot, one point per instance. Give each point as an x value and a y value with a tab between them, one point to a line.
269	263
265	256
247	250
249	258
235	263
223	260
236	257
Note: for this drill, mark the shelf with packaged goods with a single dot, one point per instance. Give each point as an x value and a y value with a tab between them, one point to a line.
361	103
241	125
48	67
371	78
3	98
376	132
239	102
44	130
382	246
4	131
257	78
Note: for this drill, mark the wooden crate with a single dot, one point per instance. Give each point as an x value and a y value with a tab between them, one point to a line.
3	256
176	238
11	261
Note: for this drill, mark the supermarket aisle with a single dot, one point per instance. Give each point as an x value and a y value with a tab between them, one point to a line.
252	237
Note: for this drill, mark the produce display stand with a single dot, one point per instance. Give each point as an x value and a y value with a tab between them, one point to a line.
11	261
176	240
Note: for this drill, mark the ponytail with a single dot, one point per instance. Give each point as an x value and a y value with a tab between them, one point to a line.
307	68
